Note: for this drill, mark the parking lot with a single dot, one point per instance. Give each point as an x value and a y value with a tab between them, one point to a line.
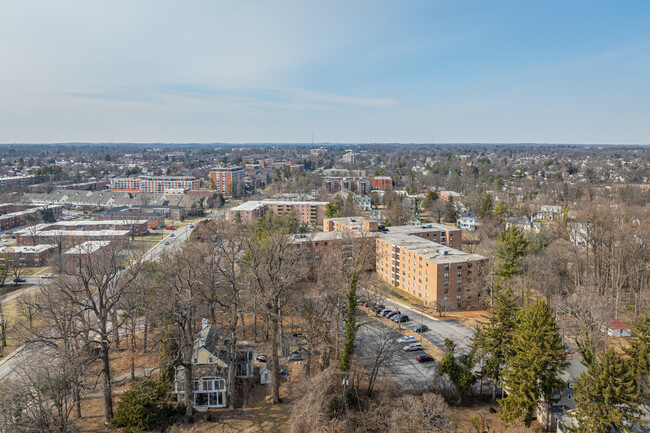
438	329
401	366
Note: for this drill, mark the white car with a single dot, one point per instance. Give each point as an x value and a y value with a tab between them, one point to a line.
406	339
414	347
47	276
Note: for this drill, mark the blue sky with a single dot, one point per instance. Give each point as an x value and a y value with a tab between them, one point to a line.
345	71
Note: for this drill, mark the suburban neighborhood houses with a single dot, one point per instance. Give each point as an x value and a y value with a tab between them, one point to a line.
503	287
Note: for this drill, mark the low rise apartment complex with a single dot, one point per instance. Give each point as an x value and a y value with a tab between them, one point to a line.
28	256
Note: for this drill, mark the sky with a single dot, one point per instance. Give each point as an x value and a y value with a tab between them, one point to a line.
361	71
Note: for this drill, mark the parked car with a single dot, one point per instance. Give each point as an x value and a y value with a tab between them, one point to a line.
425	358
421	328
50	275
395	318
191	225
413	347
385	311
171	235
20	280
296	357
262	358
166	242
406	339
377	308
402	318
155	228
392	313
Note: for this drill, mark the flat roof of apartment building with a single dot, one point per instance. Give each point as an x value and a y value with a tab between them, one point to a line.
28	249
429	250
87	247
254	204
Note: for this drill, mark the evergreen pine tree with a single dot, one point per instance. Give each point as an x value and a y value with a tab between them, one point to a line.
493	340
512	245
533	366
486	206
607	396
450	213
639	349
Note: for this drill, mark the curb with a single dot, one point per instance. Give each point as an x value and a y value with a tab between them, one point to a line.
11	355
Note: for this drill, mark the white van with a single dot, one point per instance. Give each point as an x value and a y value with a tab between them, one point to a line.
414	347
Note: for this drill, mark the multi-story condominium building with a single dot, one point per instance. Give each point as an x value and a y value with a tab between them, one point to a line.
444	195
222	178
307	212
126	184
349	158
443	277
357	185
16	181
160	184
381	182
29	256
155	184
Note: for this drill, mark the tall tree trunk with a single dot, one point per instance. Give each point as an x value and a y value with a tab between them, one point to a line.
116	331
232	357
189	391
275	361
145	334
108	391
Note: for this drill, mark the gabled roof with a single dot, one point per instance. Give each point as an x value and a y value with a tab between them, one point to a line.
210	338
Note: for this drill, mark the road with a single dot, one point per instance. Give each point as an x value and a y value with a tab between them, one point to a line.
9	364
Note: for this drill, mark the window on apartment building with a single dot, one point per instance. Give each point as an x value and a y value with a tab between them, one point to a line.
446	267
459	282
460	266
446	275
458	298
445	298
446	291
459	274
459	289
446	283
469	265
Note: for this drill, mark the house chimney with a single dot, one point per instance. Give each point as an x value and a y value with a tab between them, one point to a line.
204	323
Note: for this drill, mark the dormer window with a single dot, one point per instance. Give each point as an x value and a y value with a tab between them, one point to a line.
196	361
210	360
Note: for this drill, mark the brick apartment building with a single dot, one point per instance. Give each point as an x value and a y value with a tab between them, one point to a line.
70	238
155	219
16	181
86	248
357	185
18	218
381	182
424	260
308	212
222	178
444	277
138	227
29	256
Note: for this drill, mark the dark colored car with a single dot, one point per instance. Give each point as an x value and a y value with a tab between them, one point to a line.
425	358
402	318
421	328
296	357
262	358
377	308
20	280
